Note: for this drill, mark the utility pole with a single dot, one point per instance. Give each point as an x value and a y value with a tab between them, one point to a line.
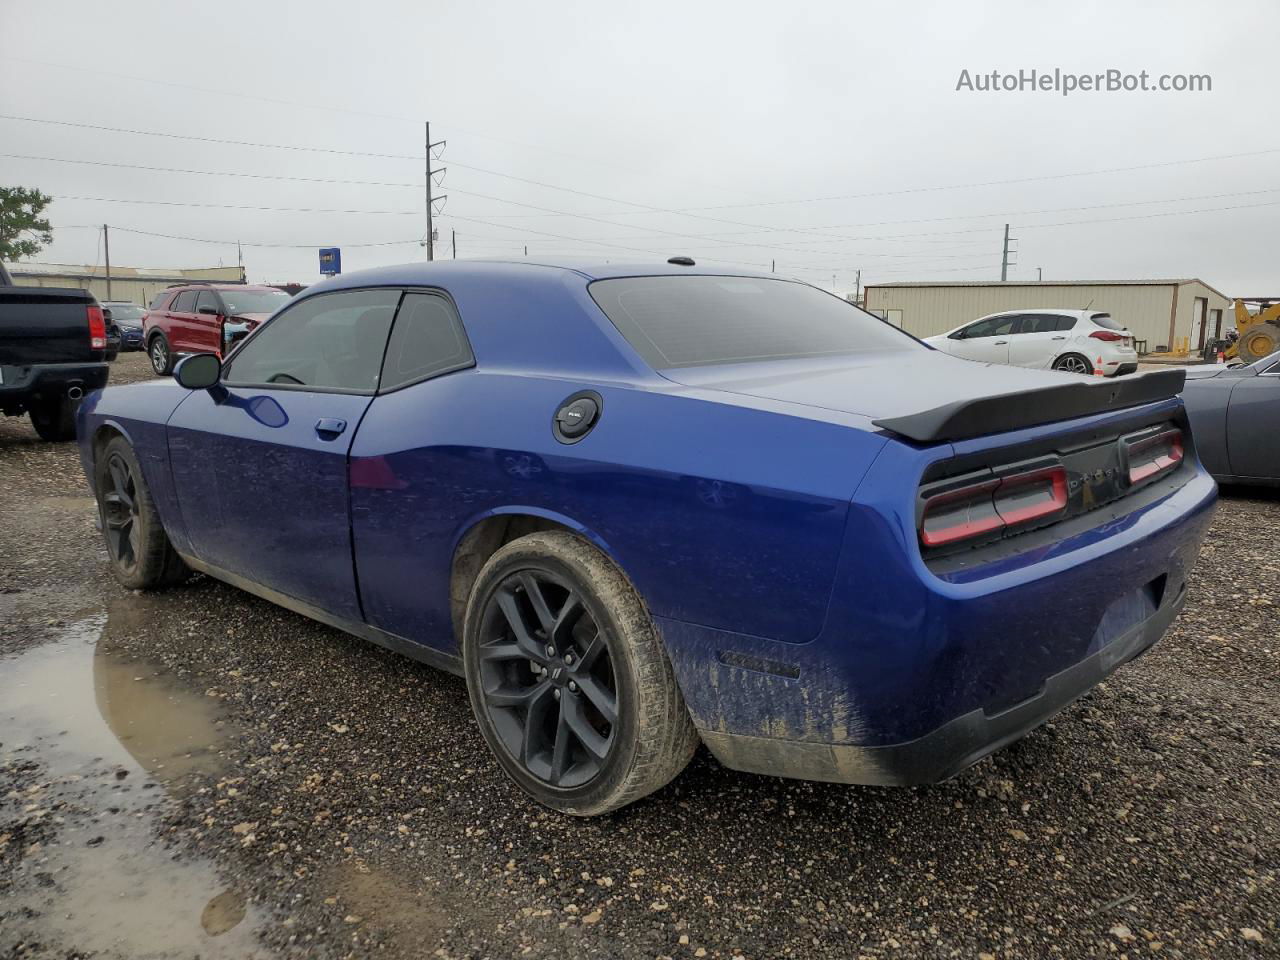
526	249
1004	259
773	266
1039	274
431	243
106	252
857	287
453	239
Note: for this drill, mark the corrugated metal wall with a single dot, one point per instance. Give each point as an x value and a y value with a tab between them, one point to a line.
1146	309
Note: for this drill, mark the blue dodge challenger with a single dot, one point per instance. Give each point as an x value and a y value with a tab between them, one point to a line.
643	507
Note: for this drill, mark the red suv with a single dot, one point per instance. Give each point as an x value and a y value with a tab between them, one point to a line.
204	318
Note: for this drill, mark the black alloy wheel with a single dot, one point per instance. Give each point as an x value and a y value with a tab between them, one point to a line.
547	679
120	514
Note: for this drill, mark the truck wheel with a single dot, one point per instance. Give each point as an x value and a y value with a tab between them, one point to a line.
161	358
55	420
141	555
568	679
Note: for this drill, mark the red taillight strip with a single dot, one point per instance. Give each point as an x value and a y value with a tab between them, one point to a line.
1055	504
986	494
1166	461
1107	335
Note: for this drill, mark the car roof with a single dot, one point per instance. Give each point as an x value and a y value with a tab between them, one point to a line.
440	271
1056	313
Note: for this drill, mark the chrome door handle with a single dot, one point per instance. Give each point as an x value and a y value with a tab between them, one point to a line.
1001	343
330	427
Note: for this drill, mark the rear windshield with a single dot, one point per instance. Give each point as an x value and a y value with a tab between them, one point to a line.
690	321
1104	320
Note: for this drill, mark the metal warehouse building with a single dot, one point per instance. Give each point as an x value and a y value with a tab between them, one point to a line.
1174	314
139	284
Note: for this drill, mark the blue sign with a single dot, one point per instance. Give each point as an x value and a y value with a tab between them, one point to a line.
330	261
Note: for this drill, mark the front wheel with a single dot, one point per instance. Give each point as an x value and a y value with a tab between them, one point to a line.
161	359
55	420
568	679
139	550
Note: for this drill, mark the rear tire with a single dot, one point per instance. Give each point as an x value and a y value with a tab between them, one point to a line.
55	420
569	680
141	555
1073	363
161	357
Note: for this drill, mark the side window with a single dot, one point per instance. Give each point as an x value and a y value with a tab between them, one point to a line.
427	339
159	300
1039	323
1065	323
334	341
992	327
208	298
185	302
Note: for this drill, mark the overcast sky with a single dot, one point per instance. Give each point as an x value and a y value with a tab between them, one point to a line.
812	134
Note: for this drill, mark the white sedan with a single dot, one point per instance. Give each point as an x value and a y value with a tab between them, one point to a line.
1077	341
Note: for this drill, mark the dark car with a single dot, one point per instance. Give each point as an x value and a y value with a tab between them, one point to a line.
192	318
1235	414
53	349
128	317
642	506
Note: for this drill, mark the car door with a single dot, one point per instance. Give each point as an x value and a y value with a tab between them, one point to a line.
985	340
260	465
1253	425
1035	340
181	316
206	324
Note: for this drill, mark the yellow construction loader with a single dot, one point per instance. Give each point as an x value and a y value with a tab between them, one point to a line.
1259	332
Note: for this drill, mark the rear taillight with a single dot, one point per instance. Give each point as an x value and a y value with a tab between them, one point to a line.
97	328
989	506
1107	335
1153	456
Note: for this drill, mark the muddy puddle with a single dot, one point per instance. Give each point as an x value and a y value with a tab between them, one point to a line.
104	744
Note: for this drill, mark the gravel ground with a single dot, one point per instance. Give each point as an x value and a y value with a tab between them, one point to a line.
267	785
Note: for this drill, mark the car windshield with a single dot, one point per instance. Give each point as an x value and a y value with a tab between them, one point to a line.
253	301
690	321
125	312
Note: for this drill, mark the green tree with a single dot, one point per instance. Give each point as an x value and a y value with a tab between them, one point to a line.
23	231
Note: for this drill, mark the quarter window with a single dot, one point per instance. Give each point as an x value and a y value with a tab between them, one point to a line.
427	340
334	341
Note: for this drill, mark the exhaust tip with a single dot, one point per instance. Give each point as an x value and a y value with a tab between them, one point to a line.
75	393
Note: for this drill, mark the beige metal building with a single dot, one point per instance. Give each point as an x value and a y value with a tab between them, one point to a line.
1174	314
139	284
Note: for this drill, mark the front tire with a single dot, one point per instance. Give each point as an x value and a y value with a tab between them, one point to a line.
161	358
54	420
139	550
568	679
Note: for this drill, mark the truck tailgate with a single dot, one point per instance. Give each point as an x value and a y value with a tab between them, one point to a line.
44	325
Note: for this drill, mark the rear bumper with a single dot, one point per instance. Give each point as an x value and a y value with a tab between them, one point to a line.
950	748
21	384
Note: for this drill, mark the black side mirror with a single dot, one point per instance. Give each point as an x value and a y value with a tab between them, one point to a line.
199	372
211	311
959	334
106	313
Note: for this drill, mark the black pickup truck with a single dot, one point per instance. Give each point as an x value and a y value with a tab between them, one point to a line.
53	346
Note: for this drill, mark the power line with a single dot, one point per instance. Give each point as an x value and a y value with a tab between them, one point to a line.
688	212
292	246
209	173
238	206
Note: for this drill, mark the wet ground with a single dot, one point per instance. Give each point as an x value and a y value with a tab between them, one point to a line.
197	773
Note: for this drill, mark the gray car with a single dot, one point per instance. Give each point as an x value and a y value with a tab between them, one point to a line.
1235	419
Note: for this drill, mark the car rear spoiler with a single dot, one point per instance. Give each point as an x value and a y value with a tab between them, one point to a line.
964	419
